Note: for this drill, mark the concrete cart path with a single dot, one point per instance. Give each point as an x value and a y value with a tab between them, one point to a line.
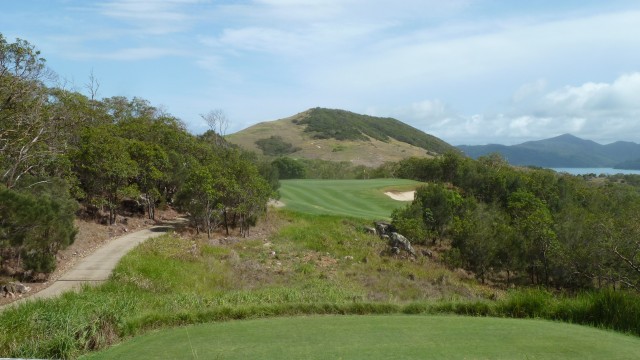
97	267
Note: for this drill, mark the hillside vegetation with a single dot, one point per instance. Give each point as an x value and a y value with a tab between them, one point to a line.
526	226
569	245
64	154
312	264
340	136
345	125
323	265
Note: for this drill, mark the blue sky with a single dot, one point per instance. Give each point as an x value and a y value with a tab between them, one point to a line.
467	71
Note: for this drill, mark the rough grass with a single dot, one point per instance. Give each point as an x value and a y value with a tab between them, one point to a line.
352	198
313	265
380	337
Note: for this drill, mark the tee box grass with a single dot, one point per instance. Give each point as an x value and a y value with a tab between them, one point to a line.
379	337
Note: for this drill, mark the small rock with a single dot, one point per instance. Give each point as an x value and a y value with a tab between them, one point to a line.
348	257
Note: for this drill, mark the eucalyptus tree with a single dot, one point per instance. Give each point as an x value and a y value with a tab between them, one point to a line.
24	115
201	196
481	236
253	193
104	167
440	206
534	224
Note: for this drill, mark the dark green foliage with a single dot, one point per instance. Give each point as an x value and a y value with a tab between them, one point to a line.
275	146
270	173
103	151
431	214
289	168
529	225
482	237
36	225
616	310
104	166
528	303
334	170
345	125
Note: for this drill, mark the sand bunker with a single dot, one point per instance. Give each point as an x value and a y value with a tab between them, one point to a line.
401	196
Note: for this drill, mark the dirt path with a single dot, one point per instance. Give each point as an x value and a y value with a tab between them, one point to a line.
97	267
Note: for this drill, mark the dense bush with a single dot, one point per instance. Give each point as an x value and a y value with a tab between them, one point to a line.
54	142
528	225
36	226
345	125
275	146
289	168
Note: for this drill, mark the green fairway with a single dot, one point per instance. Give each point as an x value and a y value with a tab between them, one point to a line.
379	337
356	198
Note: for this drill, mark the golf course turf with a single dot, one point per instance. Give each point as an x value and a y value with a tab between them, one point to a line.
379	337
354	198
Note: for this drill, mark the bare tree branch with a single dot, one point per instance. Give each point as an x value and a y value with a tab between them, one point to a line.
92	86
218	122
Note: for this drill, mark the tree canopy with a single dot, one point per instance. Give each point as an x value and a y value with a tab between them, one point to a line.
526	225
60	149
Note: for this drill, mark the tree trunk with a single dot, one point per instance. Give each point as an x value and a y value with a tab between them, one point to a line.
226	222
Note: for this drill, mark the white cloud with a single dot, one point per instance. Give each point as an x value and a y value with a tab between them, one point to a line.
530	89
603	112
607	99
129	54
468	62
154	17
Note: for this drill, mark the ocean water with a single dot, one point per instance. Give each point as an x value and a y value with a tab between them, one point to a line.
597	171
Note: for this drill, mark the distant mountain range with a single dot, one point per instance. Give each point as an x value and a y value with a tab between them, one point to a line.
339	135
563	151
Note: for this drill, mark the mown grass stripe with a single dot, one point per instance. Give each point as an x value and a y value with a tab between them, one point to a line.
355	198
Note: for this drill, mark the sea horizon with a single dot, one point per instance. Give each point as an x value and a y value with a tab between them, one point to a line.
597	171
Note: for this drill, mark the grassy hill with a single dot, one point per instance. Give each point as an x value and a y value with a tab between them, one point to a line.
339	135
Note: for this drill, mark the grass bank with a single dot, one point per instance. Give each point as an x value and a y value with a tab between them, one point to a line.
314	265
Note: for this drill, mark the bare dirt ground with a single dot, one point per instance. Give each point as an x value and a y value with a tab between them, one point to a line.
91	237
276	203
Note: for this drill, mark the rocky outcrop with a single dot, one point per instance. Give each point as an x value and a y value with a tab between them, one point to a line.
396	241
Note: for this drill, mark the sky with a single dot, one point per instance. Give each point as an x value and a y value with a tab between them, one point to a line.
468	71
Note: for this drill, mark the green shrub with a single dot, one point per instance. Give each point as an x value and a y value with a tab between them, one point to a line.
276	146
529	303
619	310
345	125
